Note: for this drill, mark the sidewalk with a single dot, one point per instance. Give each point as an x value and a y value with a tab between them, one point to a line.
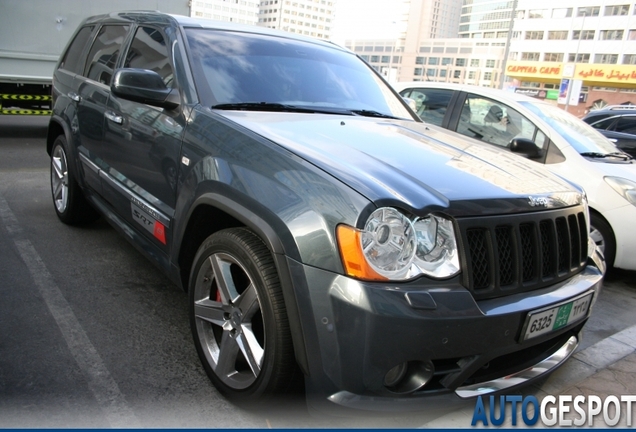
605	368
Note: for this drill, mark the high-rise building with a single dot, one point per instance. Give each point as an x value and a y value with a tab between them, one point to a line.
312	18
486	19
308	17
434	19
429	49
239	11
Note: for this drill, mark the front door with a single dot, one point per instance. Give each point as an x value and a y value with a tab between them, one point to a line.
142	146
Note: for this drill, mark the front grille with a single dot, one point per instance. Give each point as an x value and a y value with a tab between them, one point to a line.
503	255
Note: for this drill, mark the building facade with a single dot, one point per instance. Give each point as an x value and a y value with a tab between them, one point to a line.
489	19
429	47
308	17
239	11
312	18
590	41
464	61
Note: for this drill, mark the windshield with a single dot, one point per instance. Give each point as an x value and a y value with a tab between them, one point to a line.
581	136
233	68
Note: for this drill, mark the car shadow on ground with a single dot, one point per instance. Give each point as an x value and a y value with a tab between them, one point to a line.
616	275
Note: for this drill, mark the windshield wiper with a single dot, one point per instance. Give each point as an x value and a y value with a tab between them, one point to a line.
277	107
371	113
596	155
621	155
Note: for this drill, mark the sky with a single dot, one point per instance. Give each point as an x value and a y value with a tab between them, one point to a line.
364	19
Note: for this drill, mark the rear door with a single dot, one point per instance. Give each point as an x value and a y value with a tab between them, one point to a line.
91	95
142	145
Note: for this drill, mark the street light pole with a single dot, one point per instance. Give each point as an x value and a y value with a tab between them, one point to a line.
502	75
576	59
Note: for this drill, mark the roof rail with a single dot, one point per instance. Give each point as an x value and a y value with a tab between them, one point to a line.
619	107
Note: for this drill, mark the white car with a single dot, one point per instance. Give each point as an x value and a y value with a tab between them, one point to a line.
547	134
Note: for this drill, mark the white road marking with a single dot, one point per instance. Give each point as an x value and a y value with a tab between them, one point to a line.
102	385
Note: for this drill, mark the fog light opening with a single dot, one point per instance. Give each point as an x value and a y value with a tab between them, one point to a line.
409	377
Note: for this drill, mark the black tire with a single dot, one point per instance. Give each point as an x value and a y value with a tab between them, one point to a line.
68	200
603	235
238	318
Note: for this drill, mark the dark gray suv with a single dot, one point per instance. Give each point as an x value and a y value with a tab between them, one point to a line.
324	234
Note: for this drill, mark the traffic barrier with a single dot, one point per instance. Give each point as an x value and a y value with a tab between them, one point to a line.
25	97
5	111
39	104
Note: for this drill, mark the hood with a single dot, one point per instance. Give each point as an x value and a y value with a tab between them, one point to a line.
419	166
609	167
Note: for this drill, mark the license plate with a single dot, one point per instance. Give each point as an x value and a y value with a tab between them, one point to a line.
548	320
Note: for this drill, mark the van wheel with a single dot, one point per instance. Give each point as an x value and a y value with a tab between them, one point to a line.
238	317
70	205
601	233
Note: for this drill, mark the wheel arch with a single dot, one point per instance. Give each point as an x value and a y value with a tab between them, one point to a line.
612	256
56	128
600	215
227	213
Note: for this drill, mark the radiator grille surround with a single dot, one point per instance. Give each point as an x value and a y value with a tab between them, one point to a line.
503	255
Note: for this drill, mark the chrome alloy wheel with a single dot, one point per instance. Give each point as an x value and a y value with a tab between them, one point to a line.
597	237
229	322
59	179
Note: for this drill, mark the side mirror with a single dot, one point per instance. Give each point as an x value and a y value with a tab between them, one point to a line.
144	86
526	148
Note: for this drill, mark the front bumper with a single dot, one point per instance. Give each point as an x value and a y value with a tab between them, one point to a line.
356	332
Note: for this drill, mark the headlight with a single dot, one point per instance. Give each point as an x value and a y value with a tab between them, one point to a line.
625	188
388	242
393	247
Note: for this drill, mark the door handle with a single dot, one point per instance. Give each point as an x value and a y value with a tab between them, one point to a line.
74	97
114	117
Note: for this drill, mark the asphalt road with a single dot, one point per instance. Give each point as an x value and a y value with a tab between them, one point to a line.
92	335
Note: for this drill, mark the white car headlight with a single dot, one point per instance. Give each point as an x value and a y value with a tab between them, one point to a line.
393	247
625	188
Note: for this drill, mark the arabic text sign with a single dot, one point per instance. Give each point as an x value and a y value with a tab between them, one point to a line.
553	72
625	74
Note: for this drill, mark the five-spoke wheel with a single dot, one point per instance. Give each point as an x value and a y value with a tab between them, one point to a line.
70	205
601	233
238	316
59	178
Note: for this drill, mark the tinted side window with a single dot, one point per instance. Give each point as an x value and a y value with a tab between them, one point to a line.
604	124
148	51
104	53
431	103
72	60
626	125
